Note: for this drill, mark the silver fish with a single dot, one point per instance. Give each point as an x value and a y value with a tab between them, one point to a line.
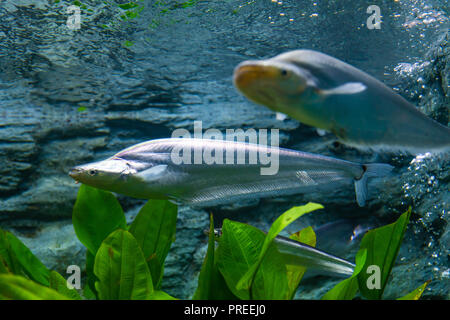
317	261
297	253
329	94
153	169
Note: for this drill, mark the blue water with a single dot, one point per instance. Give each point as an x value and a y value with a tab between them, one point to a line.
73	96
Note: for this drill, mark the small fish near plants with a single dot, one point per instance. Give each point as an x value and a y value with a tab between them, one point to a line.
127	261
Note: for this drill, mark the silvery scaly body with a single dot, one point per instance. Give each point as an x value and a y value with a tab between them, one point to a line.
153	169
317	262
324	92
296	253
337	237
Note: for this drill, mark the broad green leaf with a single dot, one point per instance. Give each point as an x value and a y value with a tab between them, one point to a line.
205	278
280	223
89	293
295	273
59	284
154	229
13	287
415	294
3	265
222	291
89	290
161	295
121	269
96	214
30	265
346	289
16	258
238	250
211	285
382	246
306	236
270	281
8	261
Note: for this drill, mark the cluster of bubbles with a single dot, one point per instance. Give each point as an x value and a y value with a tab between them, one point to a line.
426	188
282	14
430	16
422	180
290	19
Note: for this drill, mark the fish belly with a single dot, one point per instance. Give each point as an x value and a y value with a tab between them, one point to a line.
216	185
387	123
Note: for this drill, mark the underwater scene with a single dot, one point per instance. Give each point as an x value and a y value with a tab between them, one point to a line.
224	150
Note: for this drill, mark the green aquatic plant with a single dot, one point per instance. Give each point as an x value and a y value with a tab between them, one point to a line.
251	272
347	289
120	15
162	9
127	261
283	221
81	108
131	10
382	245
100	224
374	261
128	44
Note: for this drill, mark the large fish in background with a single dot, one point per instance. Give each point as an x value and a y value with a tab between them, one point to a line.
331	95
148	170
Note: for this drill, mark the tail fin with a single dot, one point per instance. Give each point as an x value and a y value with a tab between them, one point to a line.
370	170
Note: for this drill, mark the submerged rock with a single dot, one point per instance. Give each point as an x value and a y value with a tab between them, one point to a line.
74	96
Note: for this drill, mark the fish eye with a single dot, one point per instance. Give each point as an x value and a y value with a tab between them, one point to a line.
284	72
92	172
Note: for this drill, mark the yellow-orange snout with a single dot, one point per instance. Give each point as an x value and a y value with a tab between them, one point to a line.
252	73
257	81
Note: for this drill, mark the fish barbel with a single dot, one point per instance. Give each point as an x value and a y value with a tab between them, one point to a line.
208	172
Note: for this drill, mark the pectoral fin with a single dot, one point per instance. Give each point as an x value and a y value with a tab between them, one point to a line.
153	173
347	88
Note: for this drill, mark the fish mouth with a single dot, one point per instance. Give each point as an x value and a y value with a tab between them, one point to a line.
250	73
254	80
74	173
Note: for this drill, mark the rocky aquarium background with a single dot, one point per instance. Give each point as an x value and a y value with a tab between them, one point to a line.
73	96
